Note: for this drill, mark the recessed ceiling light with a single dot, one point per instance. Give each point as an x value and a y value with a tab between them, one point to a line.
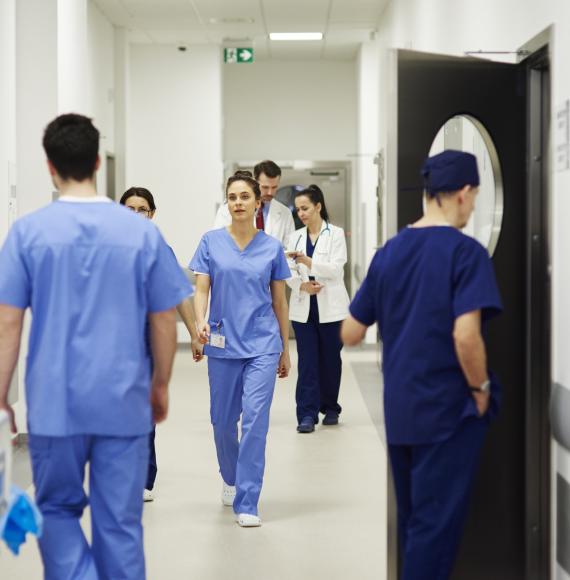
296	35
238	20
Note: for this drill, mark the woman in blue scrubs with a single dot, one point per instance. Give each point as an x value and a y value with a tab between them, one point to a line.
319	303
141	201
243	271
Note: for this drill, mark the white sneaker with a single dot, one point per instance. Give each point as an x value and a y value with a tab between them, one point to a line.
248	520
148	495
228	494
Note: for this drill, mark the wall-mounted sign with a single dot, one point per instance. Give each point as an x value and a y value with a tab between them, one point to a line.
562	143
238	55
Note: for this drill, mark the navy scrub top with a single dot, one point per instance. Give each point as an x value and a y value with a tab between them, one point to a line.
416	286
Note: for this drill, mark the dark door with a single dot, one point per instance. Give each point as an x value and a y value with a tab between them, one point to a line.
431	90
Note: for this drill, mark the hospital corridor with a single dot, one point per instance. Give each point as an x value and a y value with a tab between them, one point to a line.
323	503
284	290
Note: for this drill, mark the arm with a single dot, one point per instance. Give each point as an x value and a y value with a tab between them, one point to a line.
186	312
201	306
11	321
352	331
281	310
334	268
471	353
163	347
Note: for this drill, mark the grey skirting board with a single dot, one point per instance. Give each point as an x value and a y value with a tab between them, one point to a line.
560	415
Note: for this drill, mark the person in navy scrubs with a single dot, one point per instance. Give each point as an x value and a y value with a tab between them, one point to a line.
91	395
243	271
141	201
319	302
431	289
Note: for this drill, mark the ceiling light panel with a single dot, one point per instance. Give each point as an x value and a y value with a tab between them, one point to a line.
296	36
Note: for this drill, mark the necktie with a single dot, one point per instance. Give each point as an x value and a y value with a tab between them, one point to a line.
259	221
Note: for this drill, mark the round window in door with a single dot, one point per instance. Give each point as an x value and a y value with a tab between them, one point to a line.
465	133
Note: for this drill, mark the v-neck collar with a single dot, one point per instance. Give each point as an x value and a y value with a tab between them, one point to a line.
246	246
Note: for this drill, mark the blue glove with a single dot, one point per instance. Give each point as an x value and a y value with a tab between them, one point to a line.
21	517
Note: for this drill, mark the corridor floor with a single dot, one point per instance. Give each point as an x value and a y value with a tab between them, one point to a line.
323	503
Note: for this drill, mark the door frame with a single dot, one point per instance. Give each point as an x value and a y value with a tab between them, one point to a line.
536	58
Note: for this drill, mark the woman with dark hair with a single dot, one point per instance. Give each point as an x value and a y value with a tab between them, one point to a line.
141	201
241	271
318	305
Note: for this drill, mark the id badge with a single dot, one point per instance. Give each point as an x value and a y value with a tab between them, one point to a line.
217	340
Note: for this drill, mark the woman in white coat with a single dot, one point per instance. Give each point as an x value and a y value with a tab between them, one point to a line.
319	303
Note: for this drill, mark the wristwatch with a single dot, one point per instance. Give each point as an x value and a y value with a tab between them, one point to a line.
484	388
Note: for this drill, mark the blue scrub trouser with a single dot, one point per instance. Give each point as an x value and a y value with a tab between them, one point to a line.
242	386
117	471
433	484
320	367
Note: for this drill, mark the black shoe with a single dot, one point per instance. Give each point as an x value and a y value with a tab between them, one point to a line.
307	425
331	418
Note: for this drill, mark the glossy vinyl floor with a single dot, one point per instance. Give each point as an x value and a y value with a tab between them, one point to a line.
323	503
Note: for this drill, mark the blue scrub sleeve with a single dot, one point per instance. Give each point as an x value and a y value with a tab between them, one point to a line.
15	283
279	267
363	305
167	284
474	283
200	262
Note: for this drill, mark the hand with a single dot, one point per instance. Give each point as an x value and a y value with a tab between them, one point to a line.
311	287
11	416
203	332
159	403
482	402
284	365
197	349
305	260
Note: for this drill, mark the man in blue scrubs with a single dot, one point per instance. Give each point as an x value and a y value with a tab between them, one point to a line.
431	289
91	272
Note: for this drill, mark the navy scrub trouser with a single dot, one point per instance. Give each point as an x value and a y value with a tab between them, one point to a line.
433	483
152	465
320	366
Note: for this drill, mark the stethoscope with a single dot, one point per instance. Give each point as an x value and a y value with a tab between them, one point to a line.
327	229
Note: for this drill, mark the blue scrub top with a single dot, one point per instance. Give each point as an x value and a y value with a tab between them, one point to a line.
91	273
416	286
241	307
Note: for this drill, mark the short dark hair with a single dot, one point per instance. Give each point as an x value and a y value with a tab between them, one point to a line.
139	192
248	178
269	168
315	194
71	143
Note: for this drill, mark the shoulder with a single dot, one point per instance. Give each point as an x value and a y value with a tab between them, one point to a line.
280	208
468	246
336	231
270	242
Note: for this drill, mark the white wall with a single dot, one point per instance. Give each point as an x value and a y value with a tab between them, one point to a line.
7	112
424	25
100	84
290	110
174	138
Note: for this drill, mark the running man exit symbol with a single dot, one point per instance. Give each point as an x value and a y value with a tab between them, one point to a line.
238	55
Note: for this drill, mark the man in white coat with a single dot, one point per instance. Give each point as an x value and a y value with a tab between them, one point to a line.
274	218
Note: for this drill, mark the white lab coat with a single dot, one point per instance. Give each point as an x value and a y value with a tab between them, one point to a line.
279	223
329	259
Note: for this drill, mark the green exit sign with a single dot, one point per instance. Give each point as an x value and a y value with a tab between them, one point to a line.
237	55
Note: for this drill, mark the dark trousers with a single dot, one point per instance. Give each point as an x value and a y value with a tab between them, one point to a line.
320	366
152	467
433	483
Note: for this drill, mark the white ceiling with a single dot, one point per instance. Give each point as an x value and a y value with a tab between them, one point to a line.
243	23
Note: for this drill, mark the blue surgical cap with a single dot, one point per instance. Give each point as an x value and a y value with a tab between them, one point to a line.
449	171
